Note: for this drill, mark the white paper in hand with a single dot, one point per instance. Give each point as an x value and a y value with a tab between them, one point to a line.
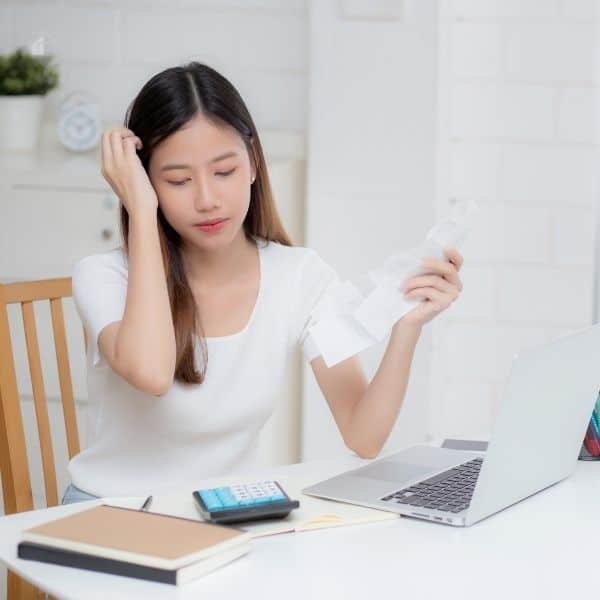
352	317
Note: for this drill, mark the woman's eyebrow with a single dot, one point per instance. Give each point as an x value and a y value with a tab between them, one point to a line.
213	160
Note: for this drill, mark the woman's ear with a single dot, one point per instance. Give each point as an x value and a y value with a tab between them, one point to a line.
253	161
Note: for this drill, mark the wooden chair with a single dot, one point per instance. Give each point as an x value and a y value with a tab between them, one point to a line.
14	466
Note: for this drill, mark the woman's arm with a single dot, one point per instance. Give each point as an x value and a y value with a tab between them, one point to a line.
141	348
375	414
365	413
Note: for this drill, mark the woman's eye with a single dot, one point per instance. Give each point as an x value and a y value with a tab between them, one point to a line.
222	174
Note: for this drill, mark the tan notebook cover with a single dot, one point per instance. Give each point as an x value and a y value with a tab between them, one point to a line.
136	536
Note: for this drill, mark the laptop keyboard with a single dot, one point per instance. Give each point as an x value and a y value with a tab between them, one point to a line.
449	491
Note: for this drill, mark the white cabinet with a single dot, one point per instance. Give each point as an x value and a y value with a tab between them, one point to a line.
56	208
46	230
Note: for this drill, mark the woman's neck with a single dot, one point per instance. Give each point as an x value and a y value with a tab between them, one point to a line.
215	268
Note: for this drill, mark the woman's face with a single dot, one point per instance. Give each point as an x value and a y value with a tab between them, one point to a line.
203	172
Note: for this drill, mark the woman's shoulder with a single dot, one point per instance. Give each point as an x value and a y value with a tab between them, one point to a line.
288	255
111	261
302	266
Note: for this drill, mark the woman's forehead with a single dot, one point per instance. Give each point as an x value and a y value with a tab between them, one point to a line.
199	141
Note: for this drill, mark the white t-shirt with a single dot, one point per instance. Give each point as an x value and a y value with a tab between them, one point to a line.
140	443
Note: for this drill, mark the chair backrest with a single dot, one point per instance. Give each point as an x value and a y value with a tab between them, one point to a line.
14	466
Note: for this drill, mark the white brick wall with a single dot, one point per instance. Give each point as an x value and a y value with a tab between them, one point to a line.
573	236
460	398
544	295
6	28
491	110
550	52
68	32
575	114
487	61
510	233
260	45
516	133
474	170
554	174
580	9
502	9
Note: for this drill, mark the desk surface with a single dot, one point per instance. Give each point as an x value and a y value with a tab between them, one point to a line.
544	547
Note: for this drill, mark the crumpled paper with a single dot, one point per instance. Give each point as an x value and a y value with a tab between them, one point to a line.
351	317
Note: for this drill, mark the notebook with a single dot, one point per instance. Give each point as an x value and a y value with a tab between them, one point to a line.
134	543
313	513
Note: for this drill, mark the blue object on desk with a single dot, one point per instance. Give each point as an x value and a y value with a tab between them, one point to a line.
244	502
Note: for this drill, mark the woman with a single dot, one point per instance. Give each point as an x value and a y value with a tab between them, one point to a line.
193	321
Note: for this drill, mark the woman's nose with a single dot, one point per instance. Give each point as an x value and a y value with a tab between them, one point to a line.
204	198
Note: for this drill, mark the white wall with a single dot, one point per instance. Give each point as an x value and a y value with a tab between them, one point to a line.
508	90
371	166
517	133
110	48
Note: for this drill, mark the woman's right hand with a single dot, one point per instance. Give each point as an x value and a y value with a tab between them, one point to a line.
123	169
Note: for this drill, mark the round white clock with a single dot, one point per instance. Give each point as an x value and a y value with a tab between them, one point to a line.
79	125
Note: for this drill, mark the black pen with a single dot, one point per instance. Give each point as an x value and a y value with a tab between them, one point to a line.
147	503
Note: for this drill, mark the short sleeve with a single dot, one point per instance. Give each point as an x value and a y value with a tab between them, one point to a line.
313	279
99	293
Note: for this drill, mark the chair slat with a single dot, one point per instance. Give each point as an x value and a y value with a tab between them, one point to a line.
14	466
20	589
64	376
29	291
41	406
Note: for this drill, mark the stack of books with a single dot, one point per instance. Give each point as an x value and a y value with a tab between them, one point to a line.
134	543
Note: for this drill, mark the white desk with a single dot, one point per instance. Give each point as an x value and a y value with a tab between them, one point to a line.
544	547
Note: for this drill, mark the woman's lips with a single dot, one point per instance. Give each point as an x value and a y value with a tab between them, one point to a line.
209	228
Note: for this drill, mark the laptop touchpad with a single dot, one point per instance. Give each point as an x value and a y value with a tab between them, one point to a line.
393	470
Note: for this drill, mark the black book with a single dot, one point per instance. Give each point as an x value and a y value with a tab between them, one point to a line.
134	543
78	560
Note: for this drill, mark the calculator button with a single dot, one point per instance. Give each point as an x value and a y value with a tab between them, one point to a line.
263	500
277	499
210	499
226	497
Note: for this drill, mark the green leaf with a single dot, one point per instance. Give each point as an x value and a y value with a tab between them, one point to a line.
21	73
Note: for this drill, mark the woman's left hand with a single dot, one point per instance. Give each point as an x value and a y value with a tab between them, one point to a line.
437	289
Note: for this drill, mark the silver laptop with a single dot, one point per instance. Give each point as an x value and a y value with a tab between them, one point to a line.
535	442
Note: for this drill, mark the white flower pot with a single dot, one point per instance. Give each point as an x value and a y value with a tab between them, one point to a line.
20	119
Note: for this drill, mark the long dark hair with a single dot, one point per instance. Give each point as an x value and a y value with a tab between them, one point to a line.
169	100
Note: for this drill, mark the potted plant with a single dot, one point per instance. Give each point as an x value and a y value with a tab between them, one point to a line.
24	81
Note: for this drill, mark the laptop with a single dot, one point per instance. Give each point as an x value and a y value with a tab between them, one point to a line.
535	441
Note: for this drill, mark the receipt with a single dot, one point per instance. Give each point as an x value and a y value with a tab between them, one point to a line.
351	317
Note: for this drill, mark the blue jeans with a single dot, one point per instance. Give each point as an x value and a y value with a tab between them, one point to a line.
74	494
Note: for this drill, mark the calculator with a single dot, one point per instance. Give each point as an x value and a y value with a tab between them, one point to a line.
244	502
